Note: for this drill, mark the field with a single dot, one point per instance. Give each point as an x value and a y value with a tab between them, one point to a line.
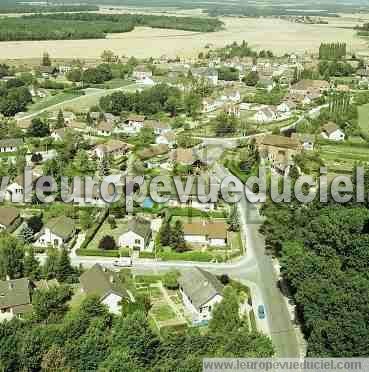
364	118
341	158
264	33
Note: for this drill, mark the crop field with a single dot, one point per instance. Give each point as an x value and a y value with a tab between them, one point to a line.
262	33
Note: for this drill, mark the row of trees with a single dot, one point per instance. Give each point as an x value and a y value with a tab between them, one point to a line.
93	75
332	51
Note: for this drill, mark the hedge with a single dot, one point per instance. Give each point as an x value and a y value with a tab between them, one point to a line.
97	253
147	255
93	231
189	256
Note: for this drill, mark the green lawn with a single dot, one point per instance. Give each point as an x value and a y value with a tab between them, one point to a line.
364	118
53	100
105	229
163	313
340	158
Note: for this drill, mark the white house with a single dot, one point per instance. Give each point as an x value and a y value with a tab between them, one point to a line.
286	107
11	145
210	105
332	132
104	129
15	191
106	285
57	232
307	140
213	233
200	291
137	236
15	299
134	124
114	148
265	115
141	73
168	138
158	127
231	95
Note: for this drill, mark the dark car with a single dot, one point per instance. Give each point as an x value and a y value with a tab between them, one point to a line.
261	312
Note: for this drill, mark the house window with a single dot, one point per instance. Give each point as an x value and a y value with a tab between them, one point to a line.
209	308
137	241
56	242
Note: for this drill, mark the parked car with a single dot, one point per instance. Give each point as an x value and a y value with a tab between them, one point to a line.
123	262
261	312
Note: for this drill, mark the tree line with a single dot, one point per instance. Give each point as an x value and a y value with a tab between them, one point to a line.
323	249
30	8
70	26
332	51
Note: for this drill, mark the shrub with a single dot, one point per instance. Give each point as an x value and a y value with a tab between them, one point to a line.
170	280
107	243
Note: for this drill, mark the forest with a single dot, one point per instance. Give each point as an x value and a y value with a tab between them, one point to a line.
30	8
324	252
332	51
70	26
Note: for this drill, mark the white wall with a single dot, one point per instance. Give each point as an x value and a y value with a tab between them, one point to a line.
112	301
129	238
49	238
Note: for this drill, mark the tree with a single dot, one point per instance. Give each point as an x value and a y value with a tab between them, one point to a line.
51	304
165	234
60	122
51	264
26	234
64	269
11	257
177	239
32	268
35	223
226	318
55	360
233	220
46	61
170	280
107	243
112	222
38	128
251	79
85	220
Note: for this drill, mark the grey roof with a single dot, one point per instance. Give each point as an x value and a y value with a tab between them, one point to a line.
140	226
61	226
200	286
14	293
101	282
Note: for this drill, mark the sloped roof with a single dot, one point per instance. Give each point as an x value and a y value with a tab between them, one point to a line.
61	226
213	230
140	227
101	282
8	215
278	141
16	142
200	286
330	128
14	292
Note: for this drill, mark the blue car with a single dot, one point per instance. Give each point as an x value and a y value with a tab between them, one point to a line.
261	312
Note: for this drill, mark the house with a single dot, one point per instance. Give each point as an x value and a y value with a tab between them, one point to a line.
107	286
134	124
278	150
137	236
47	71
231	95
307	86
206	73
104	129
59	134
68	116
232	109
15	298
332	132
141	72
266	83
158	127
183	156
15	191
286	107
153	151
168	138
307	140
200	291
114	148
210	105
9	216
265	115
214	234
57	232
11	144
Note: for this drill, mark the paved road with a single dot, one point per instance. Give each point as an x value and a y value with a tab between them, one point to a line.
88	93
